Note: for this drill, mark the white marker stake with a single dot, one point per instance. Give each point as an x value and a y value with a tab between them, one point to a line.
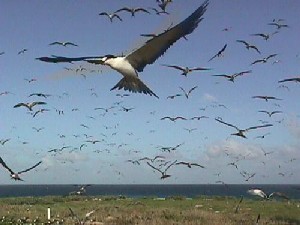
48	213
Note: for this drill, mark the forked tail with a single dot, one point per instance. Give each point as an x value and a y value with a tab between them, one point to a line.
133	84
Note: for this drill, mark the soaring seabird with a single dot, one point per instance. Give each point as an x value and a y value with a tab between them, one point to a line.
14	175
129	65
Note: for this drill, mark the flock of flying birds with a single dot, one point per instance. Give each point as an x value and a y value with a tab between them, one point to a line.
129	65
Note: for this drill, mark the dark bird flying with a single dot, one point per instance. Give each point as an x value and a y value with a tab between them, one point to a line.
14	175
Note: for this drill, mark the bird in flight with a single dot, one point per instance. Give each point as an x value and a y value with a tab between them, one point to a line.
189	164
187	93
241	132
262	194
173	119
265	36
132	10
219	53
111	16
231	77
22	51
278	25
164	174
14	175
136	61
29	105
65	44
248	46
266	98
185	70
270	113
264	60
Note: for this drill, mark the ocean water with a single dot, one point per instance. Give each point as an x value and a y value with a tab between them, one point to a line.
137	191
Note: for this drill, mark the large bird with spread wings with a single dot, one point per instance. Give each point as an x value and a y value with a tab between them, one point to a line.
14	175
129	65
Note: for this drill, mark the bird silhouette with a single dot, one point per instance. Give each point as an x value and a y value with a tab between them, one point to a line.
187	93
241	132
186	70
29	105
132	10
264	60
65	44
249	46
266	98
219	53
14	175
111	16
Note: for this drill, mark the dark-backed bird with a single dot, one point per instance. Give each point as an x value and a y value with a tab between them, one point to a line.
132	10
219	53
265	36
264	60
136	61
241	132
266	98
231	77
14	175
185	70
164	174
29	105
187	93
278	25
173	119
111	16
39	95
248	46
65	44
189	164
270	113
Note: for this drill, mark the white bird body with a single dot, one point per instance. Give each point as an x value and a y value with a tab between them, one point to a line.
121	65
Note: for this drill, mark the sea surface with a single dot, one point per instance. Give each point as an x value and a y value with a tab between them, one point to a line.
138	191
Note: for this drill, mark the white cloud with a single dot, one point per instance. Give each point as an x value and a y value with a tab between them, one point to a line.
209	98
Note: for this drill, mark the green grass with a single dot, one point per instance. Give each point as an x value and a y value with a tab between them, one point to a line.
112	210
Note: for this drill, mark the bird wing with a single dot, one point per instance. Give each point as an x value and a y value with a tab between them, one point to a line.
297	79
5	166
21	104
228	124
38	103
149	164
271	56
168	167
142	9
24	171
157	46
70	43
174	66
104	14
261	126
55	43
242	41
123	9
196	164
192	89
115	15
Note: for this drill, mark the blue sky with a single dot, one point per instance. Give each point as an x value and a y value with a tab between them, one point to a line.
141	132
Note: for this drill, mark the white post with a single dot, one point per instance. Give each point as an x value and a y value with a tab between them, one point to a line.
48	213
